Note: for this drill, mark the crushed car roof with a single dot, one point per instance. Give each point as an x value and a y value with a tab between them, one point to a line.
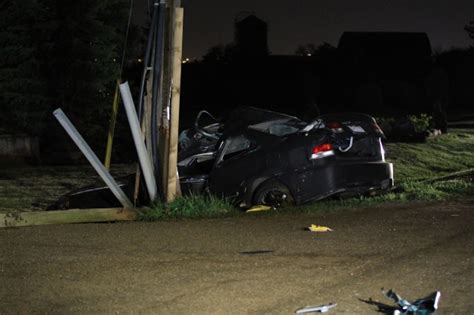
245	116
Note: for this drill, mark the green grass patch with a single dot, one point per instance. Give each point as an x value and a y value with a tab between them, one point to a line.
439	156
193	206
415	190
408	191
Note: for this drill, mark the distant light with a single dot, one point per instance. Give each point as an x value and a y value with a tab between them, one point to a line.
186	60
308	54
139	60
115	60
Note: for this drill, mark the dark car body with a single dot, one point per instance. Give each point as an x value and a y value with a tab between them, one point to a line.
257	148
263	157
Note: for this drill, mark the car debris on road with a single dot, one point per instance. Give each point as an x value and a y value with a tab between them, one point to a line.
258	208
319	228
423	306
316	309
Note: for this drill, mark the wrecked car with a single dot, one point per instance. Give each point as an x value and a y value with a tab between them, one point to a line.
264	157
257	156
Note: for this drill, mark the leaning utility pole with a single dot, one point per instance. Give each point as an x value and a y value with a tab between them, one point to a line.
163	70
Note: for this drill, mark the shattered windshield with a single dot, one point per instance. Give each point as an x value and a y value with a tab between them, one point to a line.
280	127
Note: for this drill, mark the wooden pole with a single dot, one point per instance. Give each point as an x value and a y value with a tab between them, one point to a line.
113	119
171	76
173	189
66	216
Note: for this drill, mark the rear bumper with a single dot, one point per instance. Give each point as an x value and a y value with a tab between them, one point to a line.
317	183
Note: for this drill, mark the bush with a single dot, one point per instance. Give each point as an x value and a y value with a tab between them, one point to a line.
421	122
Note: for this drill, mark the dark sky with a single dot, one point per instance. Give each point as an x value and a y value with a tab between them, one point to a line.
295	22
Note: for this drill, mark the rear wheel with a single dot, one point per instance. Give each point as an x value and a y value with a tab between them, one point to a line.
273	193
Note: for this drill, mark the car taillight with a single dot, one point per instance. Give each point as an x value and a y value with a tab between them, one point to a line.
322	150
335	126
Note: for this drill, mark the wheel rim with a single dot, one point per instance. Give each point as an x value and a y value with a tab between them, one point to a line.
274	197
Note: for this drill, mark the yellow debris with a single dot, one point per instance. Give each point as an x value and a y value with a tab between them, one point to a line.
259	208
319	228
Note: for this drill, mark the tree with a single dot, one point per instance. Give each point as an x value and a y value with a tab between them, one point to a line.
59	53
220	54
23	89
84	61
470	29
321	51
305	50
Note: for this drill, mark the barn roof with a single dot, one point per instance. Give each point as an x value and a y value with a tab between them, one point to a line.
385	44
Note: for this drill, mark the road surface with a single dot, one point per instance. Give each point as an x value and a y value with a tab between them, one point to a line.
254	264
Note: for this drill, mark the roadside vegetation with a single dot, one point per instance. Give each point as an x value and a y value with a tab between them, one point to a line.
422	173
32	188
439	156
194	206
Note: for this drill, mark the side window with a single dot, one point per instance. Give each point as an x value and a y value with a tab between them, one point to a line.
236	146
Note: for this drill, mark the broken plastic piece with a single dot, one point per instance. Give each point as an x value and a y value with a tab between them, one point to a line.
424	306
319	228
316	309
259	208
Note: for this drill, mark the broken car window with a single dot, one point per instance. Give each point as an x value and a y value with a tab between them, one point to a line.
279	127
235	146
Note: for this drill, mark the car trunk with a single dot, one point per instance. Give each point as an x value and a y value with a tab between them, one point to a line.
355	137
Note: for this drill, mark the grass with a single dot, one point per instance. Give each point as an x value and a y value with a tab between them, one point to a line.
416	164
408	191
439	156
193	206
33	188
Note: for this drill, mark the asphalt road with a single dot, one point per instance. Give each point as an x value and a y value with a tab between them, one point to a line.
255	264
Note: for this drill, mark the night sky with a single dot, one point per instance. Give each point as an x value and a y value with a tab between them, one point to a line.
295	22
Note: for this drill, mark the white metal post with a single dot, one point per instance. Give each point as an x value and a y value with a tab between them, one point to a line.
143	156
92	158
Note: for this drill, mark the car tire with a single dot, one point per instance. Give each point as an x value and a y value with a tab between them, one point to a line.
273	193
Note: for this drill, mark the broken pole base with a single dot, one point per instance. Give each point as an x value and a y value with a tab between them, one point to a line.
15	219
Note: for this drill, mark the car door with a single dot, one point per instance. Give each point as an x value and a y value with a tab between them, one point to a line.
236	160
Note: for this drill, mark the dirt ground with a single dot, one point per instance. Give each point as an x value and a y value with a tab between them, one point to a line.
254	264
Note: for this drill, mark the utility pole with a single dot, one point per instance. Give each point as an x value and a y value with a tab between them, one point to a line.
168	101
175	60
160	108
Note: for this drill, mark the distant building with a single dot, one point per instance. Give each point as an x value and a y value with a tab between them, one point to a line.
251	36
386	53
383	72
380	73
